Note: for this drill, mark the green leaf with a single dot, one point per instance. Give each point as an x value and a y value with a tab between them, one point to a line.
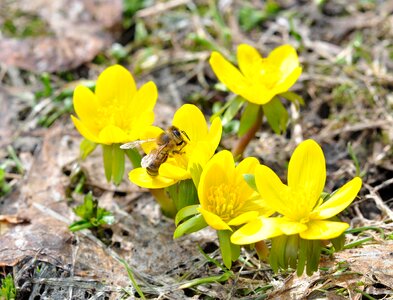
5	188
130	273
277	252
86	147
291	251
276	115
107	156
91	214
225	246
7	288
88	208
338	242
221	110
80	225
186	212
235	251
191	225
294	98
357	243
196	171
313	256
282	246
354	159
104	216
236	103
361	229
204	280
183	194
118	162
249	17
302	258
134	156
18	164
248	118
250	179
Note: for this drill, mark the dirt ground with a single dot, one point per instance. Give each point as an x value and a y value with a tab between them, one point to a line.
48	47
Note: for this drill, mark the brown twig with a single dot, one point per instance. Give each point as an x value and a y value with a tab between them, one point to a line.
243	142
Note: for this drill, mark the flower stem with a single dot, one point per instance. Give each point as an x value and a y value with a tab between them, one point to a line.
243	142
167	206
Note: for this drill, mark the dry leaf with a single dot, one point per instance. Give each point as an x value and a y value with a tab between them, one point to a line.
77	30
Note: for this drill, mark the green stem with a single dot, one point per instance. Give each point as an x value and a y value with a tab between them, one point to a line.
167	206
243	142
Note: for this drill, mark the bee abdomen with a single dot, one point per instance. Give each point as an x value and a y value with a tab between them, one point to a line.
152	168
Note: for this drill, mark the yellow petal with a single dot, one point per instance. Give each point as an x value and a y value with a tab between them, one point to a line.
323	230
339	200
273	191
307	172
285	57
201	154
289	227
86	106
246	166
287	81
228	74
172	171
217	171
214	135
115	84
258	94
261	206
247	57
144	99
139	124
243	218
112	135
256	230
190	119
213	220
140	177
150	133
84	131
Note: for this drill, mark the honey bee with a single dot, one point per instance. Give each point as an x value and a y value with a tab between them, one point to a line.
171	141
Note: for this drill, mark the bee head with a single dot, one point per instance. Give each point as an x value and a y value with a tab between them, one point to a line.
178	134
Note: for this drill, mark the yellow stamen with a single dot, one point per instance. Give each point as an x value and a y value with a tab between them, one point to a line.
224	201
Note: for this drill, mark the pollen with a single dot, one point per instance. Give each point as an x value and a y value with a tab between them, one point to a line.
224	201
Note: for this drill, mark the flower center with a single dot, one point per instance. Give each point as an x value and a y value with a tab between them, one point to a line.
223	200
114	113
267	74
301	205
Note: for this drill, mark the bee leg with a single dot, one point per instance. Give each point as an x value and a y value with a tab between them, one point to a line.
177	152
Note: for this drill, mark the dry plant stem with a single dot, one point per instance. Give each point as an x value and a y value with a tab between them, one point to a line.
243	142
167	206
262	250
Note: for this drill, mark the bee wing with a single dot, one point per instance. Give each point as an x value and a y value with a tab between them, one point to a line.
148	159
135	144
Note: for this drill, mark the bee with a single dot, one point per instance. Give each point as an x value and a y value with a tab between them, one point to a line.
171	141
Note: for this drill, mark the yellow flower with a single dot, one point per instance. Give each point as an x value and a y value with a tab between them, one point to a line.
225	197
117	112
300	204
198	150
258	79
